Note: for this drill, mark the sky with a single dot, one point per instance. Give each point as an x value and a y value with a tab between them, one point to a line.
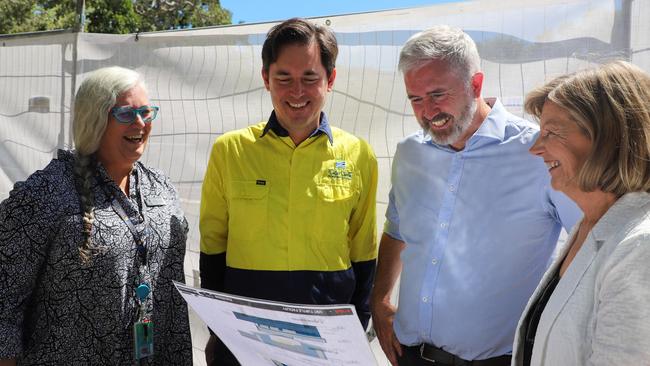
255	11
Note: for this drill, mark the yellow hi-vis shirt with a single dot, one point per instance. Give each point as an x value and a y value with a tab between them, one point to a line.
272	205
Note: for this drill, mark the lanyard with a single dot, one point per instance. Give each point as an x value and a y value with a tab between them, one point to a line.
138	235
143	289
143	327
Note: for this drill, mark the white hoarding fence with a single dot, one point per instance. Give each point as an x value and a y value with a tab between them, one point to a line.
207	81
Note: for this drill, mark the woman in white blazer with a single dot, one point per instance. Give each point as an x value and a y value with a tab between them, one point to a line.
592	306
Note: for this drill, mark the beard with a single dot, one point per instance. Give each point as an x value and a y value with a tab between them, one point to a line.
457	126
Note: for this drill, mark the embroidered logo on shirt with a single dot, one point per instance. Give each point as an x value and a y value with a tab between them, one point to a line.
339	173
340	164
260	182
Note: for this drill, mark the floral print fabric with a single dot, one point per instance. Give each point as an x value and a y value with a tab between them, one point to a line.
56	310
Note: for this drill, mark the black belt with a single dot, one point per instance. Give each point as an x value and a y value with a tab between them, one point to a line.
437	355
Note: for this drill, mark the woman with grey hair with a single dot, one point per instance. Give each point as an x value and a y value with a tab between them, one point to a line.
90	245
591	307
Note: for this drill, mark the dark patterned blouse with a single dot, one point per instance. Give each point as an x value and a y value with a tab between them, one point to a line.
55	310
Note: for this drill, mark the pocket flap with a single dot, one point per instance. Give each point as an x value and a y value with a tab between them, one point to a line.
250	190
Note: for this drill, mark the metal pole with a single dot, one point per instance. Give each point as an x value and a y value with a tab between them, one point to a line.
79	28
622	31
627	15
81	16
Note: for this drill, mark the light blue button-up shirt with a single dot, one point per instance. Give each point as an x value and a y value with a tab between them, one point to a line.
480	226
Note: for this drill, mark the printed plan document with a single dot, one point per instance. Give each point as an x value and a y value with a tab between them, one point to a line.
261	333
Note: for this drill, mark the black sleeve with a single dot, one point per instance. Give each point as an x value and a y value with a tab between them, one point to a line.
364	273
213	270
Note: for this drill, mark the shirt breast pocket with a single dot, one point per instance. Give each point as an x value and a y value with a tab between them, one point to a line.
333	193
248	211
333	210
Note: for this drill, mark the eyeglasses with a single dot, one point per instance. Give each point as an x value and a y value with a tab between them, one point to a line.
128	114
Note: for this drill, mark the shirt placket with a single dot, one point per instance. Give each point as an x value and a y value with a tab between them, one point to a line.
429	302
295	162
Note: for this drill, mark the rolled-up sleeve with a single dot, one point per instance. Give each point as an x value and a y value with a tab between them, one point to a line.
391	225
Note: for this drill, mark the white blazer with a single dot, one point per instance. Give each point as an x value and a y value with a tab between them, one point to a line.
599	313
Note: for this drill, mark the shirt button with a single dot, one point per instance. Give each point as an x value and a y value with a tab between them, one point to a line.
452	188
434	261
425	299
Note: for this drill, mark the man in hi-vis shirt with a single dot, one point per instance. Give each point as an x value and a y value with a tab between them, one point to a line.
288	205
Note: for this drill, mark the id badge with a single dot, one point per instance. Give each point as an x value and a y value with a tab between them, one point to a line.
143	339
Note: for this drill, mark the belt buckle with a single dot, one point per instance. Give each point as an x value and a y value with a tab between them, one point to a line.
422	356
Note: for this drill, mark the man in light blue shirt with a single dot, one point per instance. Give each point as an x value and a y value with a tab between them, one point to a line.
471	222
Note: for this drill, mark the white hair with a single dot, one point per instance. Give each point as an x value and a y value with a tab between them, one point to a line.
445	43
95	97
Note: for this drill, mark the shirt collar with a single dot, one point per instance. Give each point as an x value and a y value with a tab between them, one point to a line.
494	125
274	125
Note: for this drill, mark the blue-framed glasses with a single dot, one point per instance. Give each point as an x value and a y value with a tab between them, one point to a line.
128	114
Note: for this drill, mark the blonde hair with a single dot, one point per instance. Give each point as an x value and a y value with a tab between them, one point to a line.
611	105
97	94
